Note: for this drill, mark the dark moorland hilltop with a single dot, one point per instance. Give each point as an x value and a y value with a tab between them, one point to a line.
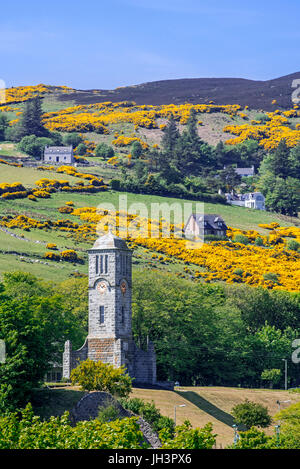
256	94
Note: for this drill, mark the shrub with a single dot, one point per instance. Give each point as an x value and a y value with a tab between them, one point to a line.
293	245
259	241
115	184
108	412
24	430
241	239
42	194
51	246
251	414
65	209
99	376
148	412
33	145
238	272
52	256
271	277
31	197
187	437
15	195
253	439
69	255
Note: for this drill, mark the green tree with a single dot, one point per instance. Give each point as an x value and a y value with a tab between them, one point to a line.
74	293
30	122
254	439
290	426
294	161
186	322
229	179
34	146
3	126
81	149
278	161
283	196
99	376
73	139
272	376
170	137
251	414
259	306
136	150
34	325
187	437
104	151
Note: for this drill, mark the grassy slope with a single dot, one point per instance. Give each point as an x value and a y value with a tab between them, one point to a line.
28	176
212	404
211	131
202	404
48	208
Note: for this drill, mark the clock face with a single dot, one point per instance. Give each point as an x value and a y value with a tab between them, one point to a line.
101	287
123	287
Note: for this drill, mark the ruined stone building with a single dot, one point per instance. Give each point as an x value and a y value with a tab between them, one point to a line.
109	335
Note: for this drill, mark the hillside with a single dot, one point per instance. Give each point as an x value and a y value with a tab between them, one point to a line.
23	248
256	94
202	404
34	199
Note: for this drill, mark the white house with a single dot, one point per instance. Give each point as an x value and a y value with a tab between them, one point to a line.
59	155
255	200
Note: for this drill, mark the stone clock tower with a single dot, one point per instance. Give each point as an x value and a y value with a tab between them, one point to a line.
109	334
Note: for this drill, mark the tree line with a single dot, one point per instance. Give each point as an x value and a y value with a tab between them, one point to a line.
203	334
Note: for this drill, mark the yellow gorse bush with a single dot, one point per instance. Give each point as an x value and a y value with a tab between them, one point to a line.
226	261
100	116
268	135
221	259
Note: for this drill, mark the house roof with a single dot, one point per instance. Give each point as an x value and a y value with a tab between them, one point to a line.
248	171
254	195
59	150
210	220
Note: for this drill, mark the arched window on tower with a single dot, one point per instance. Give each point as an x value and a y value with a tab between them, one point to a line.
123	314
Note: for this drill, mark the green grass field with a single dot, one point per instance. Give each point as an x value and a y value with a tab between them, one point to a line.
145	205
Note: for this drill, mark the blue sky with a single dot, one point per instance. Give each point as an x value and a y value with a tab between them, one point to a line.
106	44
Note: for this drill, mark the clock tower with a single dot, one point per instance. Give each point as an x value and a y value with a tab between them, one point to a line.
109	298
109	332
